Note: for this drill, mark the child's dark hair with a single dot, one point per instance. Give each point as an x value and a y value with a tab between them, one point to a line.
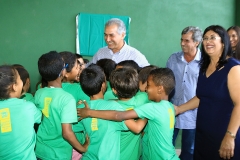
144	72
8	76
43	83
24	75
125	82
78	55
107	65
85	60
163	77
17	66
69	58
91	80
129	64
50	65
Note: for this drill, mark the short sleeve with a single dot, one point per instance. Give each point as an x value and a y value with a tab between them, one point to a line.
116	106
36	100
145	111
69	111
37	114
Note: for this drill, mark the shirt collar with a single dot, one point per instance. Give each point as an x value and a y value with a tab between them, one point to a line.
198	55
123	48
196	58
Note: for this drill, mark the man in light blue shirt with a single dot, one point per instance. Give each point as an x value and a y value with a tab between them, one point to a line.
185	65
116	48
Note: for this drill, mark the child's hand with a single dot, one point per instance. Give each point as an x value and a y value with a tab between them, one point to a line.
79	102
87	142
83	112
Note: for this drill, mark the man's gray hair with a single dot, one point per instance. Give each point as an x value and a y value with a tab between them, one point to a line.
197	33
120	24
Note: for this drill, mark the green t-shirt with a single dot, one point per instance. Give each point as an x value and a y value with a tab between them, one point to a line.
142	96
161	120
130	143
76	91
57	107
145	142
17	136
108	95
104	135
28	97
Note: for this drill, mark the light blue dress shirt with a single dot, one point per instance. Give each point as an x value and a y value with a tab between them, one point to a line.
186	77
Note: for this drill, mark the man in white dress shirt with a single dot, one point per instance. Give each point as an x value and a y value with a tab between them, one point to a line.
116	48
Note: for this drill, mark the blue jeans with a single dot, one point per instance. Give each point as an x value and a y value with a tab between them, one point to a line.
187	148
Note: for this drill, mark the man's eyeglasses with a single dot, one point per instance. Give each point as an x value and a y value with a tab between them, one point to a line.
65	66
212	38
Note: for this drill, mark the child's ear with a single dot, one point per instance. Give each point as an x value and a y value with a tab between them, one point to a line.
27	84
14	87
28	81
160	89
114	91
104	87
65	75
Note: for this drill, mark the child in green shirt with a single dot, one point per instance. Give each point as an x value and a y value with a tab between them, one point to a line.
104	135
142	77
159	112
73	72
24	75
17	117
55	137
124	82
108	66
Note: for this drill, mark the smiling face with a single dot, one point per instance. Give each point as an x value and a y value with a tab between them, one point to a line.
187	44
233	38
212	44
152	89
81	63
74	74
113	39
18	85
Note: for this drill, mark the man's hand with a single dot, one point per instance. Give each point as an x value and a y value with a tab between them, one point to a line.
83	112
176	110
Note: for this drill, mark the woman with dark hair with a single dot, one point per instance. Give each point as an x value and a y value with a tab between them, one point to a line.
234	34
217	99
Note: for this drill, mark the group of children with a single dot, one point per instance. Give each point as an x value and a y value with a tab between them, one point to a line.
105	111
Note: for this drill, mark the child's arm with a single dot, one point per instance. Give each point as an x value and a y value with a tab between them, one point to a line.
136	126
105	114
70	137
